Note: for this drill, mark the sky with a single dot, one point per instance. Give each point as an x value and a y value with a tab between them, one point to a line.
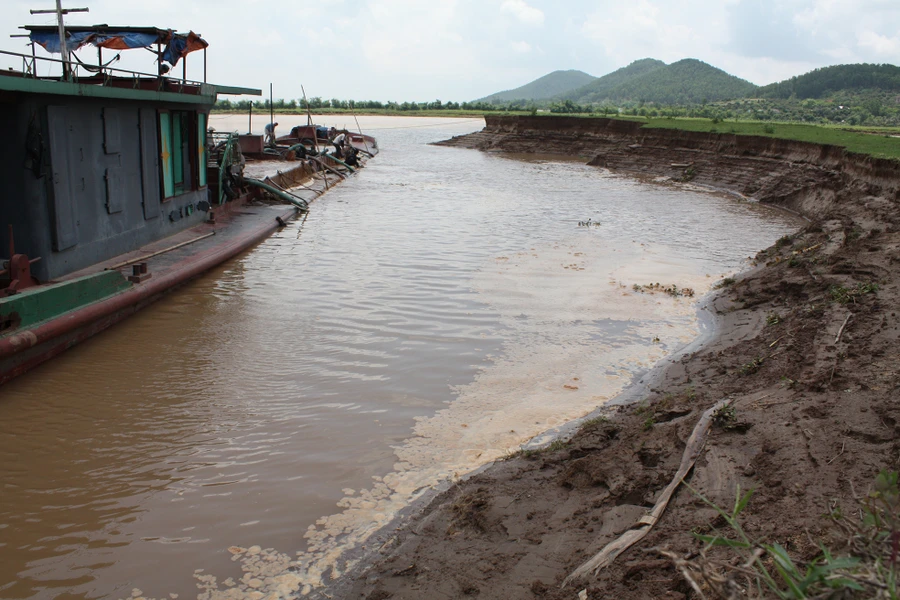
458	50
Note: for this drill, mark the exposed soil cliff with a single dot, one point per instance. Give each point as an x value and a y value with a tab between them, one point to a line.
807	347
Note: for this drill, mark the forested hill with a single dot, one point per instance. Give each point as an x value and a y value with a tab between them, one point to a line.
548	86
688	81
599	89
839	78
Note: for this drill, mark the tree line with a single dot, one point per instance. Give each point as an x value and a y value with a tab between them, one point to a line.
868	109
826	80
316	103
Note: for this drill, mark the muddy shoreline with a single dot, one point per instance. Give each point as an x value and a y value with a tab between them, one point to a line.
807	344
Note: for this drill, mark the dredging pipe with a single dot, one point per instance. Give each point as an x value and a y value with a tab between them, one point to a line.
298	202
339	161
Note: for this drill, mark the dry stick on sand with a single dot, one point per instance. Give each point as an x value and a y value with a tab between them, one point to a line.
841	330
695	443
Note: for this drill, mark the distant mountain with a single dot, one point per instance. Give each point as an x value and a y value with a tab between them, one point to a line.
548	86
599	89
688	81
691	81
839	78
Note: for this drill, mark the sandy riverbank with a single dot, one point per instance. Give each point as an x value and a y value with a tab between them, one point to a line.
806	345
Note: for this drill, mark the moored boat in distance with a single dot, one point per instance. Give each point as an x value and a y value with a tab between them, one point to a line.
127	192
312	136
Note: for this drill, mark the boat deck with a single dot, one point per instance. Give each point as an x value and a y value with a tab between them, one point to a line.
44	321
233	221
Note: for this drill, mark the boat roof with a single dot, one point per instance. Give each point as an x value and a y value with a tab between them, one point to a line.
104	81
104	28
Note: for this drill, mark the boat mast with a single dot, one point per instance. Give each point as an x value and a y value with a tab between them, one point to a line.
60	11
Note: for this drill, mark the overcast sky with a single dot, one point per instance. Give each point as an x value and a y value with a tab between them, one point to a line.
465	49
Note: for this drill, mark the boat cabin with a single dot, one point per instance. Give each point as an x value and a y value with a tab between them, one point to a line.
98	161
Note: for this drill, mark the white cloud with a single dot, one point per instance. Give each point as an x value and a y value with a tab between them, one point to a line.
863	31
761	71
880	45
523	12
465	49
647	29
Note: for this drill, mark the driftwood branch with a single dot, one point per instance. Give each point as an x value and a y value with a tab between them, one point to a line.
692	451
841	330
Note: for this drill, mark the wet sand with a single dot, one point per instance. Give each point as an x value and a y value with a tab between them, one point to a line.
813	379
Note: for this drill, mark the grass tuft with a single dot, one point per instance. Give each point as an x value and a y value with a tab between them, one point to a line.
864	566
847	295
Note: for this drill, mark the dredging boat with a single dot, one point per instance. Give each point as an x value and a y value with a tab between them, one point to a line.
117	190
311	135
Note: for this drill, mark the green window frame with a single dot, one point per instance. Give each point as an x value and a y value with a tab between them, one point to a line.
182	149
202	119
178	123
166	159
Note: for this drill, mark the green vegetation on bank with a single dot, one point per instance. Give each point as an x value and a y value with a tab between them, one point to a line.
882	144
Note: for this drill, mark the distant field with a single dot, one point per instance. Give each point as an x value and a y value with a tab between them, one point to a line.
875	141
878	142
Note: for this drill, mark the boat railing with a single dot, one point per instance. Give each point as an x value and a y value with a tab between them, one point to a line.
103	75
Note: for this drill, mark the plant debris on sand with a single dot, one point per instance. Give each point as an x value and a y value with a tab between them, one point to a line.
807	349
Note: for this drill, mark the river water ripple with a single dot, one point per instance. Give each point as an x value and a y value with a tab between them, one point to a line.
431	314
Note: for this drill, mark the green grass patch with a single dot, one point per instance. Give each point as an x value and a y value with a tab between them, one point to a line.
724	283
861	563
881	144
753	366
602	419
847	295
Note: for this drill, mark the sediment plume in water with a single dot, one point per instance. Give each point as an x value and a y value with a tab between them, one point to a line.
554	369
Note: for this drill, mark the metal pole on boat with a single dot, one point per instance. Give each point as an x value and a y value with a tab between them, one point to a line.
250	119
305	101
309	122
365	143
60	11
271	106
62	39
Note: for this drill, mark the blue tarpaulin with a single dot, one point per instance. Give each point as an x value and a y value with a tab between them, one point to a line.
50	41
182	45
177	45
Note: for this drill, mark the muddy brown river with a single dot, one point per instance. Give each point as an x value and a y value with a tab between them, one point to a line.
431	314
